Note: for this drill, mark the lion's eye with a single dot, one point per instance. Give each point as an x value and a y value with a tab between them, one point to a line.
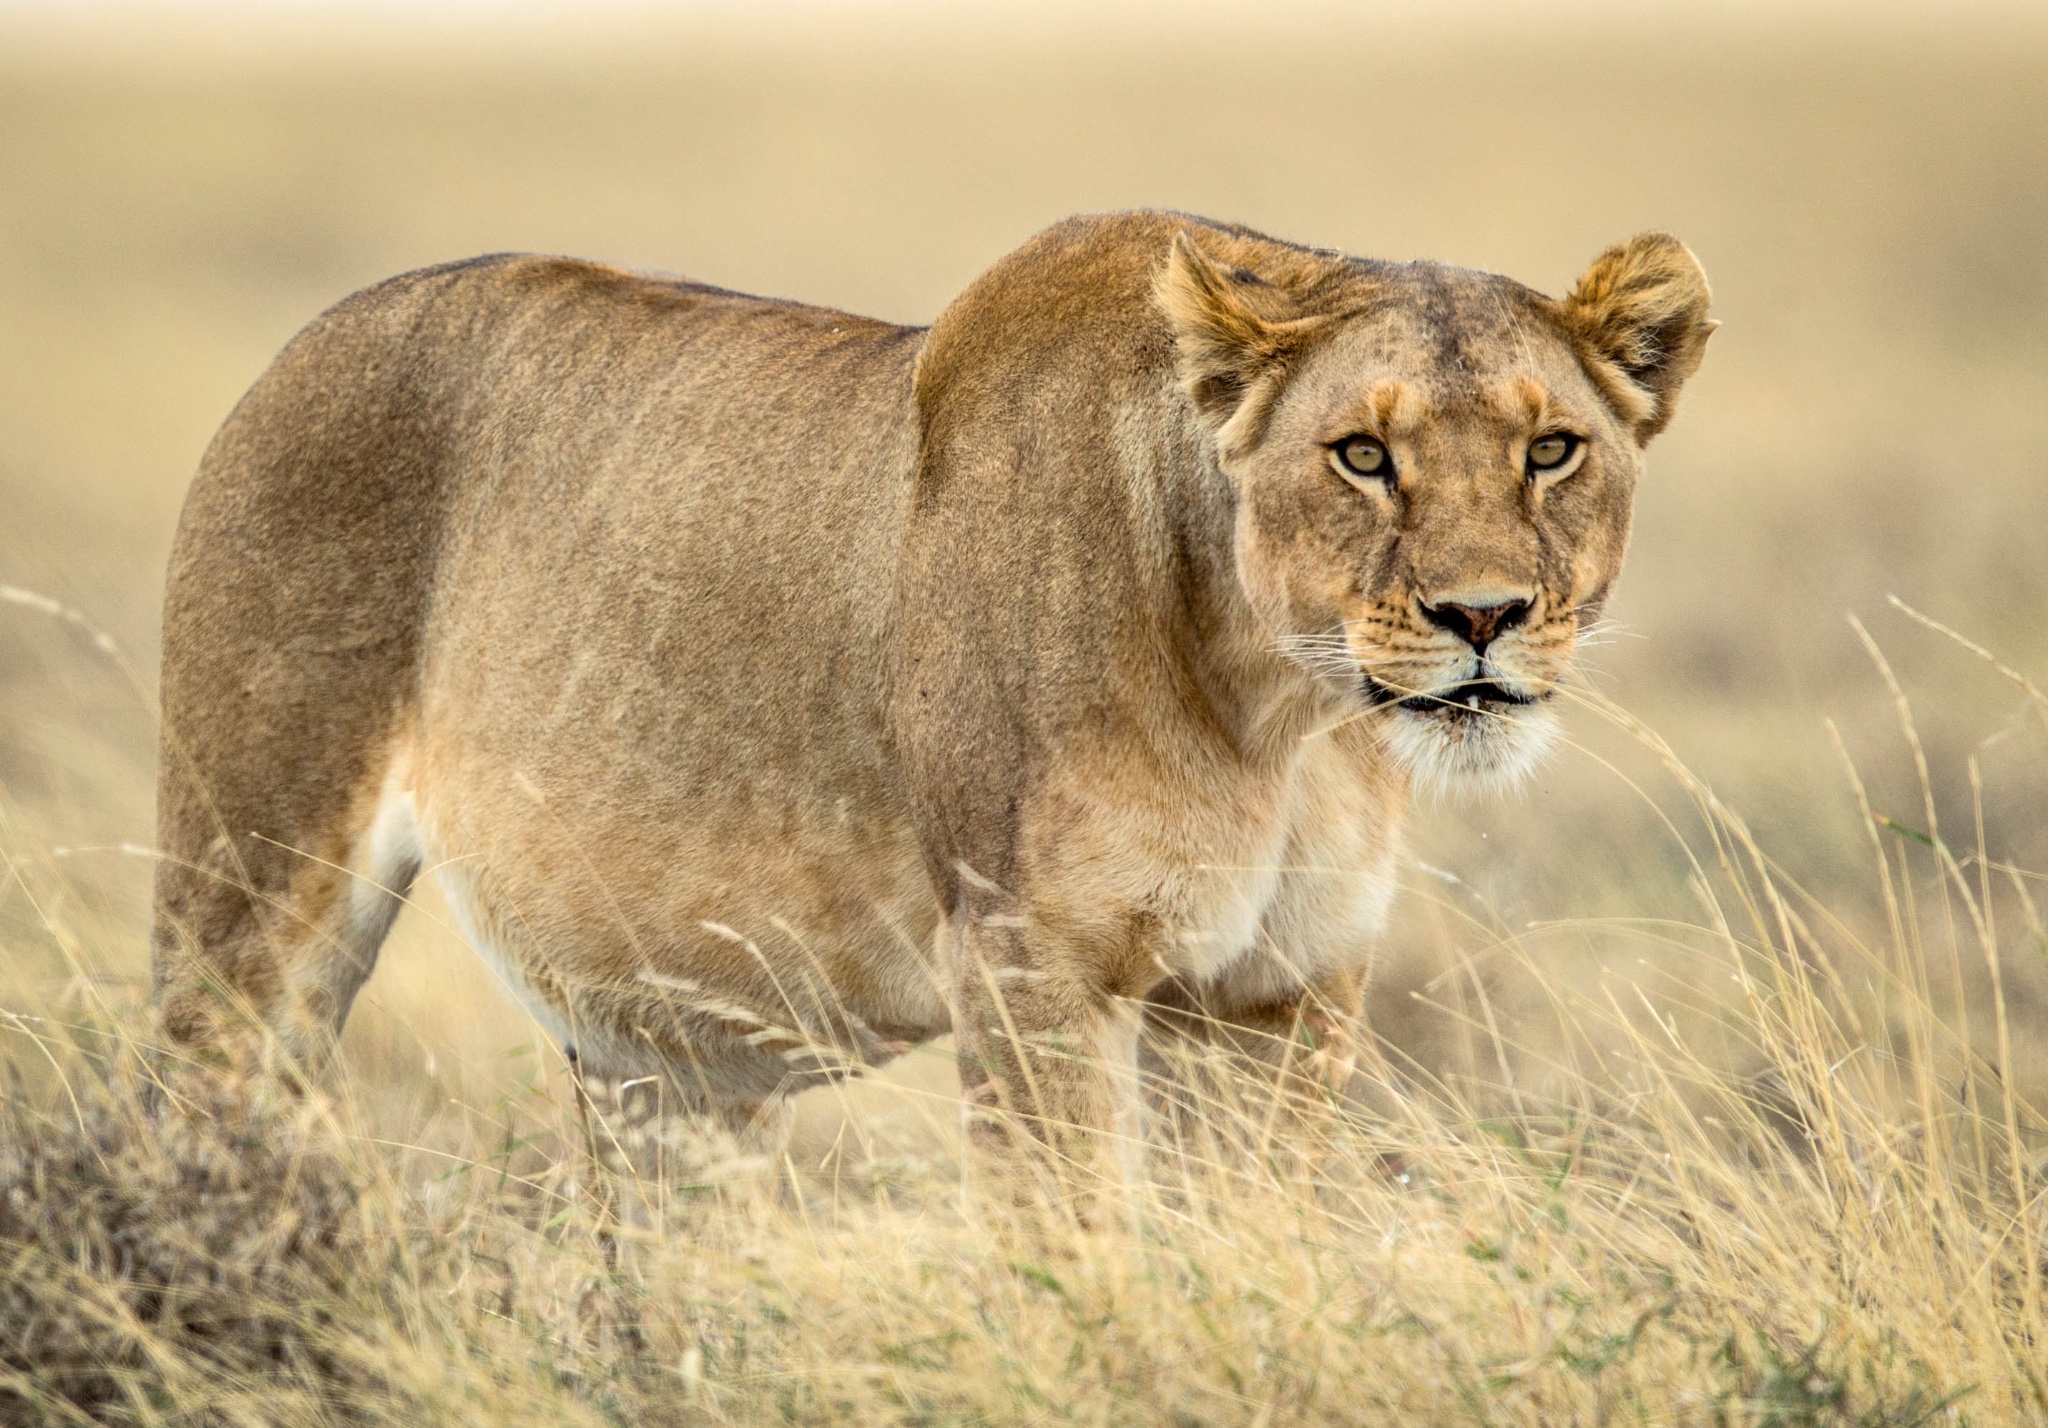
1547	453
1364	456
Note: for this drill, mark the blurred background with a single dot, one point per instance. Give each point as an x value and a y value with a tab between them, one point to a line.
1867	186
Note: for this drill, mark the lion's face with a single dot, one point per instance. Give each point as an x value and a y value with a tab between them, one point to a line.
1435	472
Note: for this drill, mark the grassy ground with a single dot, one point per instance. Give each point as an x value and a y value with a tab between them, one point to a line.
1680	1113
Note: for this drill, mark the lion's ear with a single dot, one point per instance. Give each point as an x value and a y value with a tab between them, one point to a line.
1227	343
1640	313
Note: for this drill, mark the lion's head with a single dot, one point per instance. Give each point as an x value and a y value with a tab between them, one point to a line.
1435	468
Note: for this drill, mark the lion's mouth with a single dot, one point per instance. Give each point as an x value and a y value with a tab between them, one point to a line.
1473	699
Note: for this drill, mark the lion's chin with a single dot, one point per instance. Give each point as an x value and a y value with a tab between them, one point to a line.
1456	751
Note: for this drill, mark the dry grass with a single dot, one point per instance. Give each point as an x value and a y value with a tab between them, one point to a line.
1676	1117
1850	1231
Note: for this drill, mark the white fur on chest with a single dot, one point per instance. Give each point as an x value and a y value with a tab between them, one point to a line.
1306	889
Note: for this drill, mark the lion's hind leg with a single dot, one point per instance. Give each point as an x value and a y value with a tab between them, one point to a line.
293	616
261	942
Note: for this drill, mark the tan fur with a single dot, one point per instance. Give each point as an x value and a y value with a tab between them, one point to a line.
774	689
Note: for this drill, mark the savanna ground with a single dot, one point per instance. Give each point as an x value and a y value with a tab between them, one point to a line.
1683	1107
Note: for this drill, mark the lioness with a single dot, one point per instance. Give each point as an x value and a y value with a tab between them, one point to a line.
772	689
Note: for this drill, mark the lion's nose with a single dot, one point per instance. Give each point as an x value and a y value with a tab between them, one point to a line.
1477	625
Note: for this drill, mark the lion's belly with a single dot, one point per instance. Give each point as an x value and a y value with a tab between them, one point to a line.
740	951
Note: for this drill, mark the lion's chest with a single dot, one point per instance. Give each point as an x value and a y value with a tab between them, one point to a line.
1295	863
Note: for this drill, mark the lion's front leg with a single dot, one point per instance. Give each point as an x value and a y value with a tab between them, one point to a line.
1046	1027
1257	1076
